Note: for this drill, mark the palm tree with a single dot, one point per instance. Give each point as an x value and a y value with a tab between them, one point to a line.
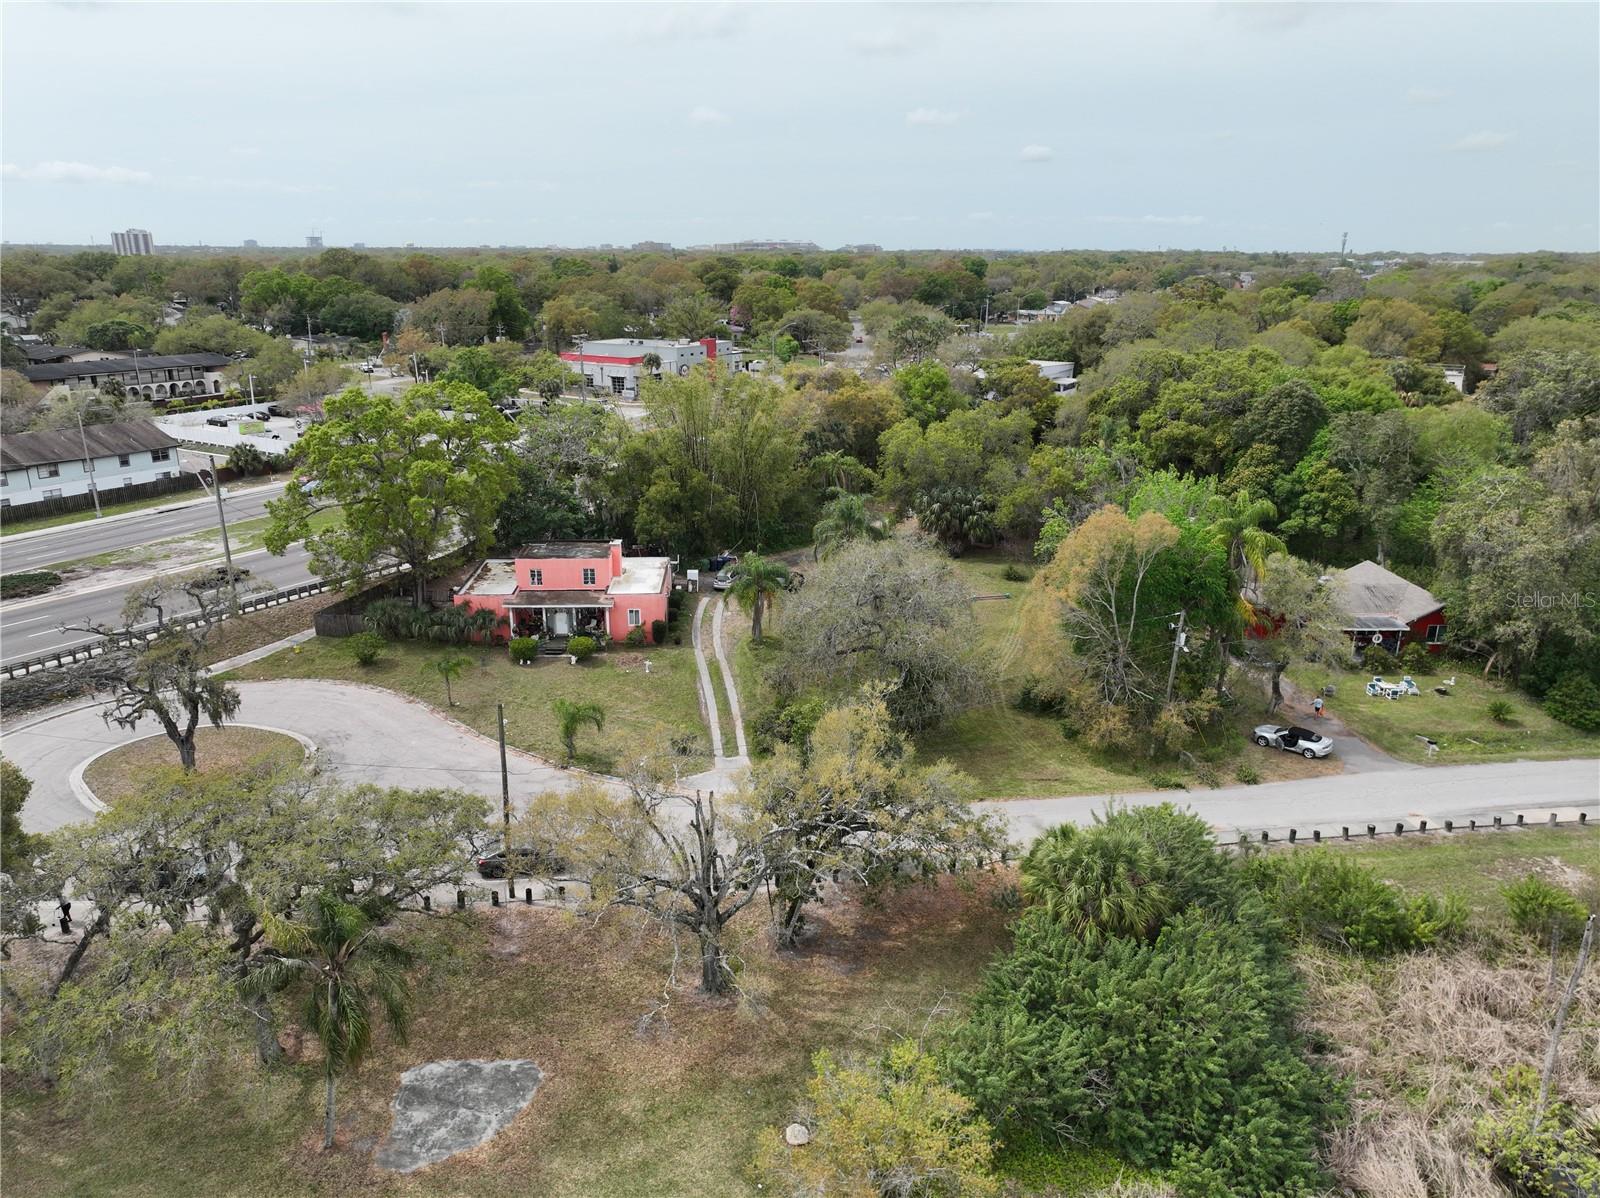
571	716
450	668
349	967
839	470
1099	877
958	516
757	583
845	518
483	623
1237	528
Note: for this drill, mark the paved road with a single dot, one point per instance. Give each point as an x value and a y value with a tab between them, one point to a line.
29	627
89	538
367	734
362	733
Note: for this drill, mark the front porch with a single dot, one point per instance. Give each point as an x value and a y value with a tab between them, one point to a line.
557	615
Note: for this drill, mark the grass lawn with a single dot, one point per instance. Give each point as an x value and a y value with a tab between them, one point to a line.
1459	722
125	769
648	1090
1476	864
637	706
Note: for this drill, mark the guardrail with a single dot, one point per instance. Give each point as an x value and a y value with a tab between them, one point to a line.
145	632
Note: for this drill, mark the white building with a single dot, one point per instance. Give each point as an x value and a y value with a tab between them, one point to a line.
133	241
617	364
155	377
40	466
1060	375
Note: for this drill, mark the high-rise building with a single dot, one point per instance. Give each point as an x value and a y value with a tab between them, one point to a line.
133	241
250	243
313	241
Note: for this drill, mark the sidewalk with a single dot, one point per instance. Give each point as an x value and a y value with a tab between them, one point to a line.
727	770
155	509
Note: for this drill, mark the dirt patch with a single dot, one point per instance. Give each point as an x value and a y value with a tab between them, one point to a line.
126	769
233	637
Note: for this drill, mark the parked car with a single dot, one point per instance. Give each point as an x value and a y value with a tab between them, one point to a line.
723	580
1303	741
722	559
526	862
217	421
365	368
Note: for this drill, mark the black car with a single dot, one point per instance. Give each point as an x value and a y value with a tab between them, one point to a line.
527	863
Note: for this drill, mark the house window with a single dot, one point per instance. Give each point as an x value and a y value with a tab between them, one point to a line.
53	470
165	474
127	482
588	577
124	460
617	383
635	617
536	578
1435	634
53	493
161	455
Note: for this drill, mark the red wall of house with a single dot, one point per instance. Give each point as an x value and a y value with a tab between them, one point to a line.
1418	632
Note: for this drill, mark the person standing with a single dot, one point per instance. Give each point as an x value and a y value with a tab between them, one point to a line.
1316	707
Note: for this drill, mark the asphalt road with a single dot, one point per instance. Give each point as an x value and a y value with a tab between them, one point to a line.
89	538
29	627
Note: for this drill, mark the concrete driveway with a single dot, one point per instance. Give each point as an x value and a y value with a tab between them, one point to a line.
363	734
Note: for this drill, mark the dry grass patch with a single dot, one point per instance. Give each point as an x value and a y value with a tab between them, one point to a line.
1424	1039
126	770
650	1089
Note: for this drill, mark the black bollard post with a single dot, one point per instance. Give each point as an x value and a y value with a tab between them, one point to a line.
494	898
427	902
1521	819
1292	834
1449	825
527	895
1583	817
1552	819
1265	837
1472	825
561	892
1399	829
1422	825
66	926
461	900
1497	822
1316	835
1372	830
1345	830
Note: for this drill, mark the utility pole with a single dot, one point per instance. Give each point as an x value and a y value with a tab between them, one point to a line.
227	551
252	380
1344	240
1177	647
88	465
505	805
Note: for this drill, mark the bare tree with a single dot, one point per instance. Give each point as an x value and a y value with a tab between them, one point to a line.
165	677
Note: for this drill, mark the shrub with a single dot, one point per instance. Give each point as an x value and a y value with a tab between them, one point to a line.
1575	701
1499	711
888	1127
1168	780
635	637
1207	774
1015	573
582	647
1247	774
788	723
1177	1052
365	647
1379	660
1416	660
1550	1157
658	632
1324	896
393	618
1539	908
30	582
1039	698
523	649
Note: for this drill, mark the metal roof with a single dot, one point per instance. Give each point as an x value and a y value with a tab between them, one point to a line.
20	450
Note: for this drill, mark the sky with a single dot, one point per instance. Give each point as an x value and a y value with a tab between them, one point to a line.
1428	127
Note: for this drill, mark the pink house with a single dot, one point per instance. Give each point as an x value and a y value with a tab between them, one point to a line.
557	589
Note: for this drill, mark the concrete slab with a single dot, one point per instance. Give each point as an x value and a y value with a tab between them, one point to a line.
446	1107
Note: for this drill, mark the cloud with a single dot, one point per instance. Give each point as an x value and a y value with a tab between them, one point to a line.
1151	220
885	41
1484	139
704	114
931	116
1035	153
1426	95
74	172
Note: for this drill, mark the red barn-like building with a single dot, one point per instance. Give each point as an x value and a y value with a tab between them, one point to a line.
1388	610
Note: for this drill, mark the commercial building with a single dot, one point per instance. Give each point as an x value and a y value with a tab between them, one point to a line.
133	242
154	377
556	589
617	364
52	465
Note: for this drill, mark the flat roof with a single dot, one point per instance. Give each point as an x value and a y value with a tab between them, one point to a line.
565	549
641	576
